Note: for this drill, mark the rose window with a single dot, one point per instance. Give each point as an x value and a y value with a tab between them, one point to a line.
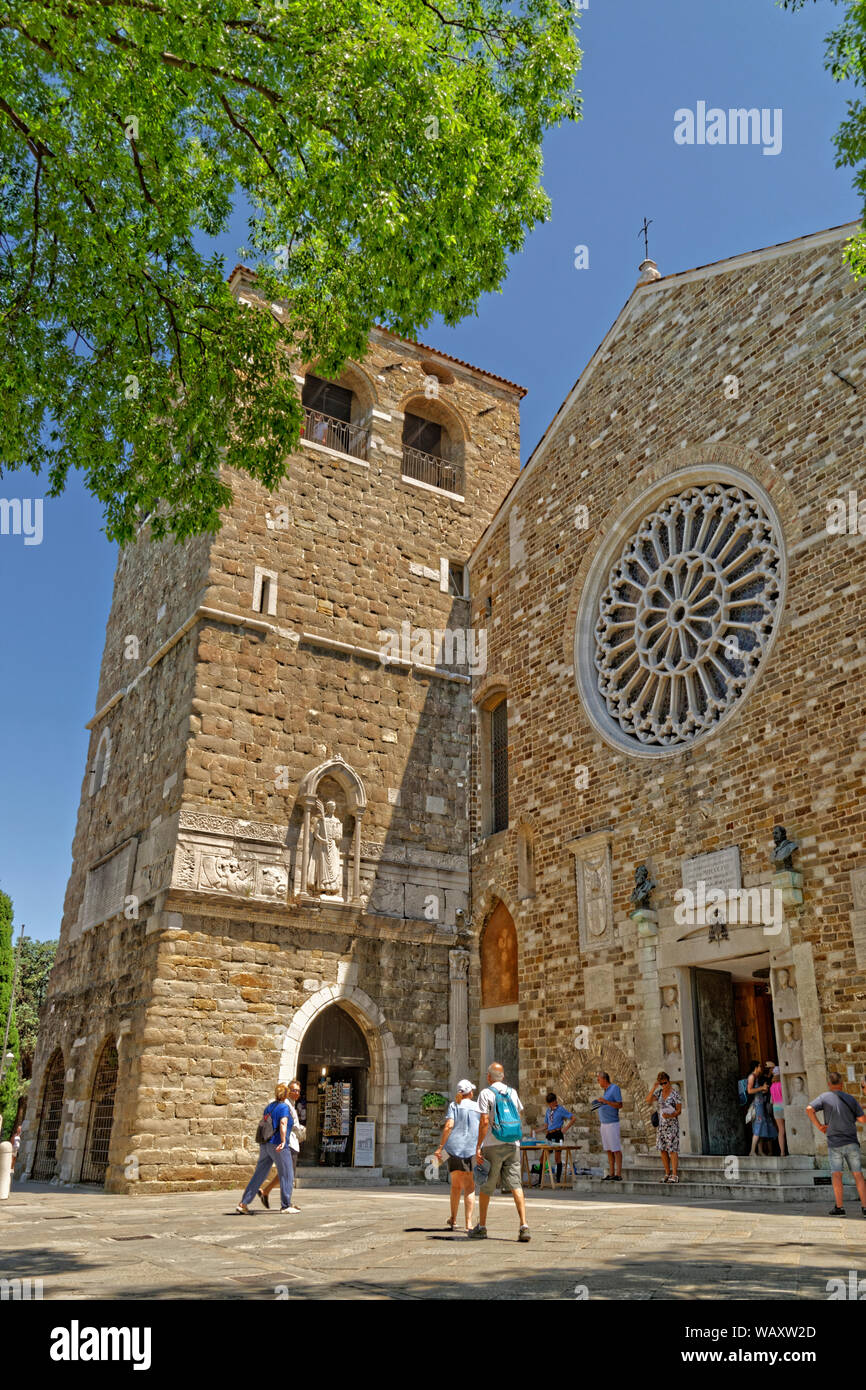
687	613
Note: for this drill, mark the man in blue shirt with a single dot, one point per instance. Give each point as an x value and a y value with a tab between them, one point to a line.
553	1126
842	1114
609	1105
274	1150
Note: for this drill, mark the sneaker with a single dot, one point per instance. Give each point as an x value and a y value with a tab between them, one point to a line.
477	1233
264	1198
838	1211
523	1234
617	1178
608	1177
285	1211
863	1210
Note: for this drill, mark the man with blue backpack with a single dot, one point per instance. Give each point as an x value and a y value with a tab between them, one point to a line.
499	1135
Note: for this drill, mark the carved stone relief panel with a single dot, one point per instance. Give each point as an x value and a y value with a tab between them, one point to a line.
594	884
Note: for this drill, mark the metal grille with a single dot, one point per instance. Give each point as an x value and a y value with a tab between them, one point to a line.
432	469
101	1115
45	1162
499	760
336	434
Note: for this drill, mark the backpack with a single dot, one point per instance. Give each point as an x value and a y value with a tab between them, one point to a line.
743	1091
506	1125
265	1128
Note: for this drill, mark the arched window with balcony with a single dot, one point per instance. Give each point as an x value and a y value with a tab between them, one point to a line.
337	413
433	451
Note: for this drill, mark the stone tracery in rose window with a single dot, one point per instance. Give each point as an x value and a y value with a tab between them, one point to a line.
687	613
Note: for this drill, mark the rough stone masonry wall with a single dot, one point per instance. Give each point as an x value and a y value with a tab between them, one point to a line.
796	750
225	991
156	588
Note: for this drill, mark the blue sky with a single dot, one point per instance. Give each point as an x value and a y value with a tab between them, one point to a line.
642	62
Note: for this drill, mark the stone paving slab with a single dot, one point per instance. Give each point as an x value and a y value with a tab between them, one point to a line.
363	1244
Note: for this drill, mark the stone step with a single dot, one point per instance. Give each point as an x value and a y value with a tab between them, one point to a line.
340	1177
707	1190
795	1162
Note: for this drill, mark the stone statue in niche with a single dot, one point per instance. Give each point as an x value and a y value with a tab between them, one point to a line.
783	849
797	1096
326	863
673	1055
670	1009
790	1049
784	997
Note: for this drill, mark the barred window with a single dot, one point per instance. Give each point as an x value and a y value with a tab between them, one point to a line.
499	765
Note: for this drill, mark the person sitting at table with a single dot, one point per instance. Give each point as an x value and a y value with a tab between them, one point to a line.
554	1129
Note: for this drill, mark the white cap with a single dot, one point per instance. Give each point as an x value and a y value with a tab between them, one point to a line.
465	1087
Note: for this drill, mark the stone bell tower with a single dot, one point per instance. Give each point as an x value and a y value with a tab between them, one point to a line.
273	817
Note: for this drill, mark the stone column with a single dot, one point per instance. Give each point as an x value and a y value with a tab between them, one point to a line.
309	806
356	859
458	1016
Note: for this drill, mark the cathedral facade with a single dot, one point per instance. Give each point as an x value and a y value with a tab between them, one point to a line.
428	759
677	648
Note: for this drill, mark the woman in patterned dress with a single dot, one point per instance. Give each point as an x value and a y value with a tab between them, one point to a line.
667	1099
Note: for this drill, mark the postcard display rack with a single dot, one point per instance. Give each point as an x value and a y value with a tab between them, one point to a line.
336	1101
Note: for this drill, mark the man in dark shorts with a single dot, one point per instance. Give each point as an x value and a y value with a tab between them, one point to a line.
842	1114
459	1141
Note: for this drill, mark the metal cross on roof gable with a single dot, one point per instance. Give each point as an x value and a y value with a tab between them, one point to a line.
643	232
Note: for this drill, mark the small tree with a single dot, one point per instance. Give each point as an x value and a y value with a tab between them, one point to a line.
35	961
10	1085
845	58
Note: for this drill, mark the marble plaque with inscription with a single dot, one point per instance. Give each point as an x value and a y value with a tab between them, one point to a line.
598	988
719	869
107	886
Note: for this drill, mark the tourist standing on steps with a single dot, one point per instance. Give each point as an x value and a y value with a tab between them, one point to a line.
842	1114
297	1134
460	1140
609	1106
272	1137
499	1135
758	1089
777	1100
554	1129
669	1103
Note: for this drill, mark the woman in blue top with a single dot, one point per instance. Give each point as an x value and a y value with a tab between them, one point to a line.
460	1140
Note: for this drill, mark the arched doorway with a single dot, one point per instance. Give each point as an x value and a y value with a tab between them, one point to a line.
500	993
95	1162
333	1068
50	1115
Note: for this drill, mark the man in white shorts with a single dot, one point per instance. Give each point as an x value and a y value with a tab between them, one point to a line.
609	1106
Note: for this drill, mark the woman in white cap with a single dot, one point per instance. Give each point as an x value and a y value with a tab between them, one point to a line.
460	1140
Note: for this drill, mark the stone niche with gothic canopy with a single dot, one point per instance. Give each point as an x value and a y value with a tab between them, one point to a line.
328	862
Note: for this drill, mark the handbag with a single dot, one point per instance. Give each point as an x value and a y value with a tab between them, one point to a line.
654	1119
750	1113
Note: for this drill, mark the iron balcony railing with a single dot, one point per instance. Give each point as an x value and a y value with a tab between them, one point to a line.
336	434
433	469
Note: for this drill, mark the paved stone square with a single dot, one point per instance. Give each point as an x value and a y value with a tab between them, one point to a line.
391	1244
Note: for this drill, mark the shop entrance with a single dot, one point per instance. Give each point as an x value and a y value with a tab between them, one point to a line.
333	1069
733	1027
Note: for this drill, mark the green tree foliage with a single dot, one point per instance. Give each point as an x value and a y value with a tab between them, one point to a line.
36	959
390	151
9	1086
846	60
